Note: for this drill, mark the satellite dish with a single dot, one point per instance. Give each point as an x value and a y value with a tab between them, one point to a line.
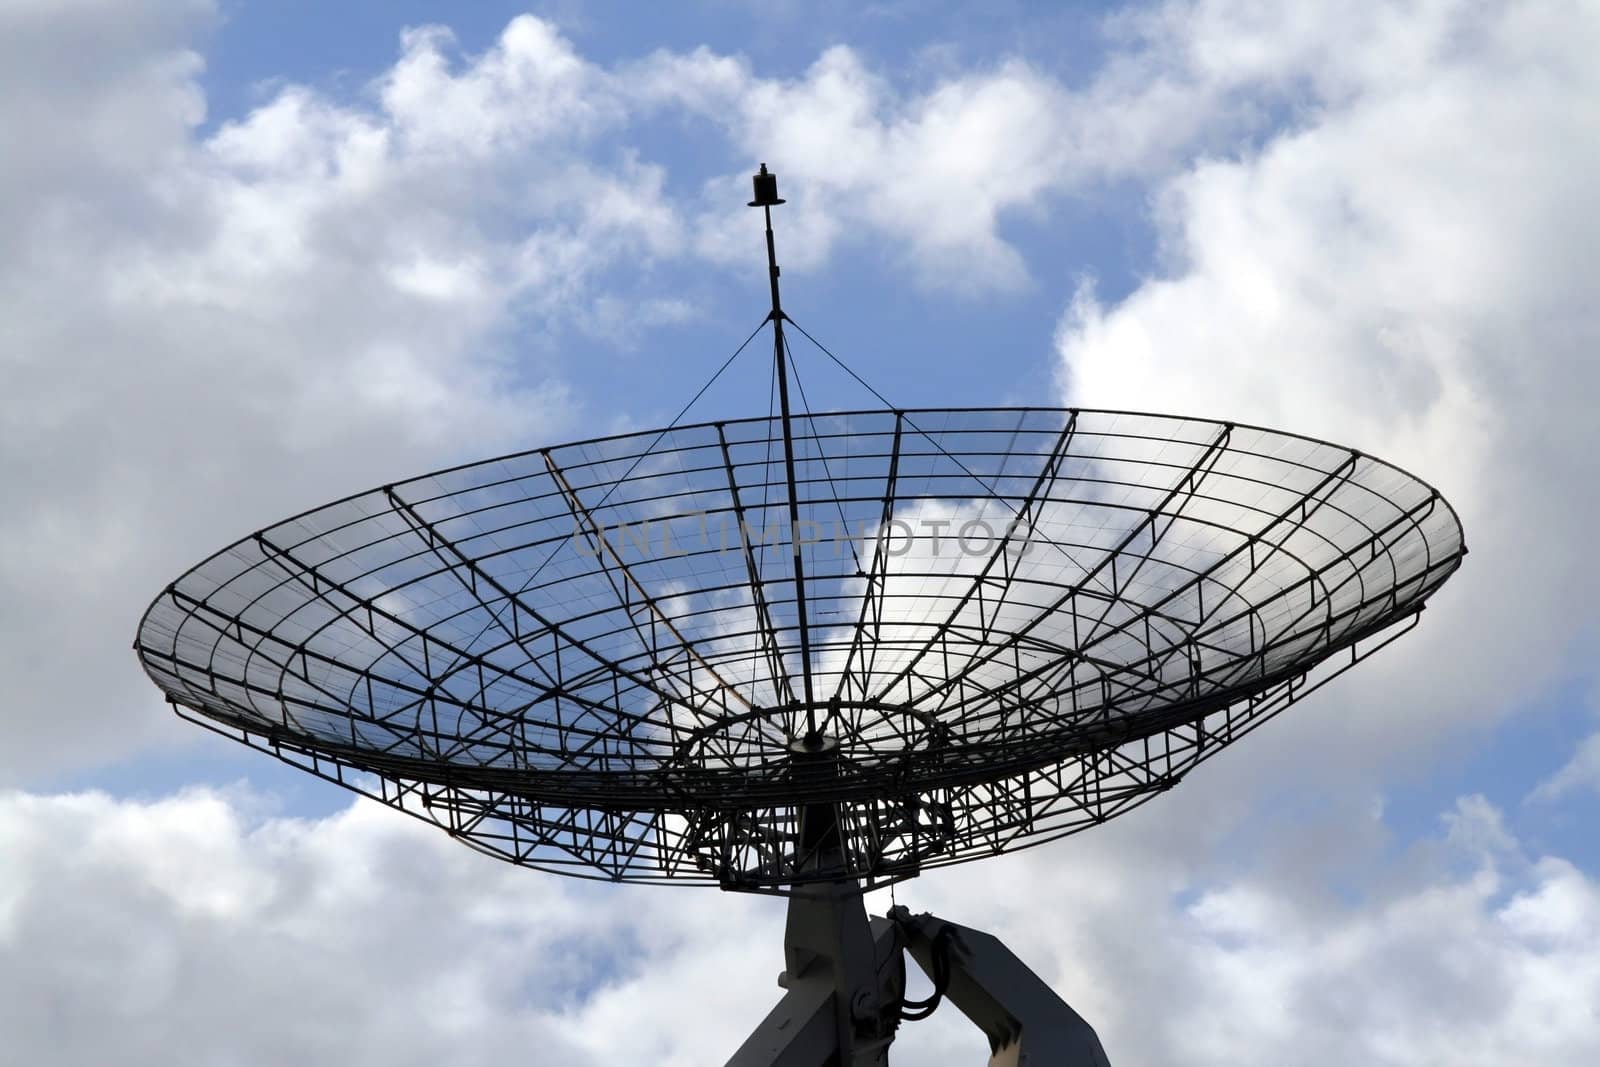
809	654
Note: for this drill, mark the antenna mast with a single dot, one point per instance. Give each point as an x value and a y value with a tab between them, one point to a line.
766	197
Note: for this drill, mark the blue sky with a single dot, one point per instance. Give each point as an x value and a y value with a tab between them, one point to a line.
263	255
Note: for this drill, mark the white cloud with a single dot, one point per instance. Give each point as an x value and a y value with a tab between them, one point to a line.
184	931
1443	952
200	929
934	173
929	175
1402	268
1582	771
205	333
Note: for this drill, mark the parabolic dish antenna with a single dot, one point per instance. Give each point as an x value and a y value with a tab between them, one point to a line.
825	650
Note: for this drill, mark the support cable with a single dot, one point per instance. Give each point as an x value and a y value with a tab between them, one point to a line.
822	454
496	613
902	413
640	458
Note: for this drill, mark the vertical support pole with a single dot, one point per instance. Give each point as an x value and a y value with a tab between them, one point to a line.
812	730
766	197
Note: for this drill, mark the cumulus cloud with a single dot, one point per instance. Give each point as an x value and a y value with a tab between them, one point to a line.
1582	771
201	929
1457	948
933	172
317	287
1399	267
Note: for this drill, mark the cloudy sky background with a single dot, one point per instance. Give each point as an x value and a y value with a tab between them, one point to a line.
254	257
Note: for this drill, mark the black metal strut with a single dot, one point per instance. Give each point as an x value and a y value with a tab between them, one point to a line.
766	197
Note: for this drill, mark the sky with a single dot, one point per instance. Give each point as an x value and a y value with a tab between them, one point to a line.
256	256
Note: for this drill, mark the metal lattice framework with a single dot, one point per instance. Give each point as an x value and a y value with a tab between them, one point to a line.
961	632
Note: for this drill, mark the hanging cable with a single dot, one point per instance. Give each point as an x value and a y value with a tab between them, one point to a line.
917	1010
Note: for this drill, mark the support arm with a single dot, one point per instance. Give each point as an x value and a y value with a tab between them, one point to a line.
1026	1023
